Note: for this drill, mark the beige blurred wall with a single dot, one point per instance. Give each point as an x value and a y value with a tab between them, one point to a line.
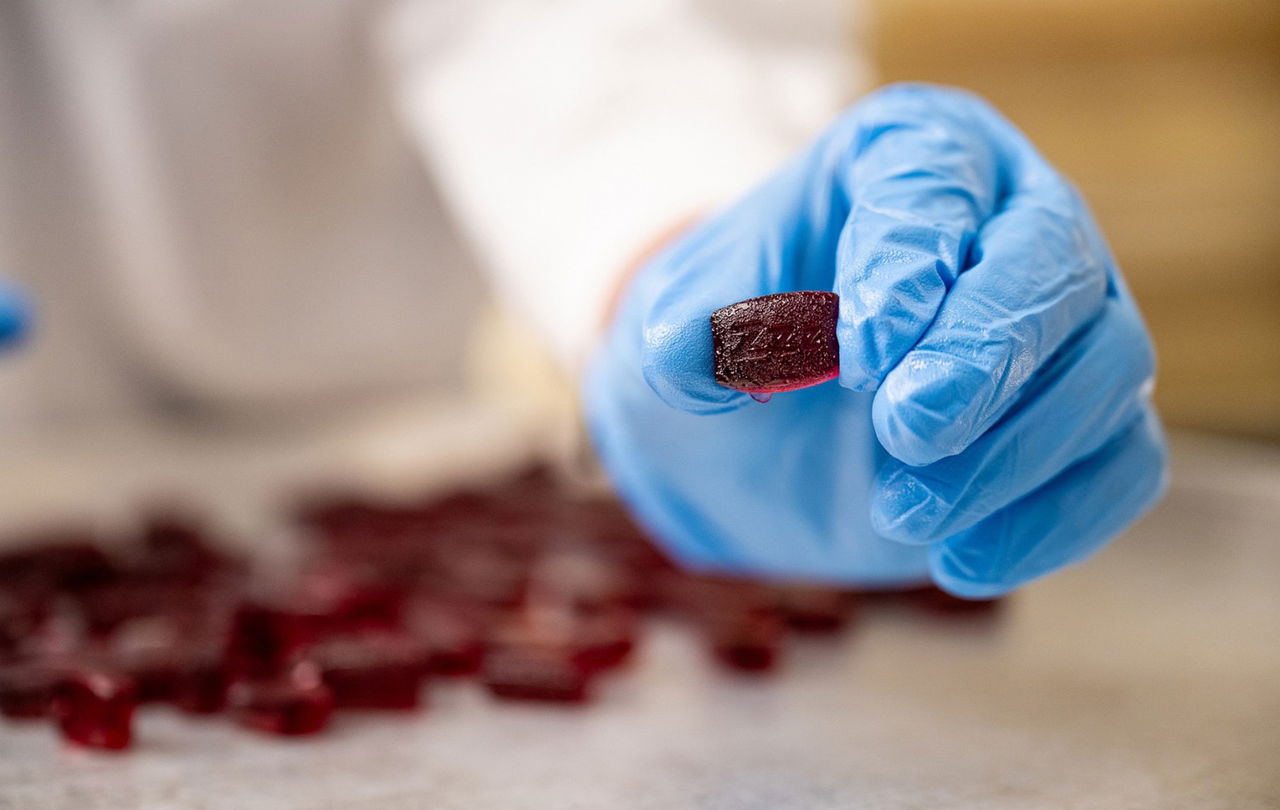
1167	114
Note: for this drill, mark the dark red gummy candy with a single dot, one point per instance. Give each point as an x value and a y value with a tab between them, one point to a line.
535	673
94	708
534	657
740	620
147	650
293	704
814	608
202	681
776	342
604	638
376	671
266	633
453	635
745	641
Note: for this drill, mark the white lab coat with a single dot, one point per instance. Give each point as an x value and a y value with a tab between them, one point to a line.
239	205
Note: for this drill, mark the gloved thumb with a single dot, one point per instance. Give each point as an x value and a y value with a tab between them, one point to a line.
676	348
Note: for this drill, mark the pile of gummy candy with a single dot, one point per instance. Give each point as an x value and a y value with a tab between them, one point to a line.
531	589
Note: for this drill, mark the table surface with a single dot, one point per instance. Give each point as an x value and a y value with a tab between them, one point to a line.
1149	677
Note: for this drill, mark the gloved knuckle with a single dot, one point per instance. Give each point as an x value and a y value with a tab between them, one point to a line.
933	404
907	508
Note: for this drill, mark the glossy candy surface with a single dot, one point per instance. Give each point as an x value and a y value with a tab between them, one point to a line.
381	671
293	704
814	608
604	638
777	342
533	672
148	651
453	635
202	680
94	708
265	633
535	656
744	640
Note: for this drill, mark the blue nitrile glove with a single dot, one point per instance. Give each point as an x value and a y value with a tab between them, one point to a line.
14	315
987	341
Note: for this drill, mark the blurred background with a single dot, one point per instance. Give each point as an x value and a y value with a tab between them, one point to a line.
1166	116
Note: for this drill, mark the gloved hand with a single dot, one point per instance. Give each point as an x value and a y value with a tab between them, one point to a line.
992	419
14	315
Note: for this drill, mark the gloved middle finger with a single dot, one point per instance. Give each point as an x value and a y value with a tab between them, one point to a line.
1041	275
1093	387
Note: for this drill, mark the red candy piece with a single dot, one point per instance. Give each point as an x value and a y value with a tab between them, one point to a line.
294	704
22	615
745	641
94	708
355	598
583	579
454	635
373	671
814	608
168	664
589	598
740	620
266	634
35	627
776	342
467	569
710	595
67	561
533	658
530	672
147	650
604	638
202	681
174	551
108	607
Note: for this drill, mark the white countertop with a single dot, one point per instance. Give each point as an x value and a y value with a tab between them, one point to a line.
1147	678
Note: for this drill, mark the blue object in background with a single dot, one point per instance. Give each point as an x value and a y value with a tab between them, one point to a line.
992	421
15	315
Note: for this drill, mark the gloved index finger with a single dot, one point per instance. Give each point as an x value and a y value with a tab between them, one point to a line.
924	174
